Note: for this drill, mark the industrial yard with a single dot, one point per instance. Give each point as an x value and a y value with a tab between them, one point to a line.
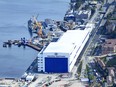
72	52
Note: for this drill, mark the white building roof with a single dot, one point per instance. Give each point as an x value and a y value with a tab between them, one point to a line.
67	42
55	47
83	12
30	77
84	79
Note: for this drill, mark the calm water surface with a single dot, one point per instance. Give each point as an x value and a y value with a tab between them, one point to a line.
13	25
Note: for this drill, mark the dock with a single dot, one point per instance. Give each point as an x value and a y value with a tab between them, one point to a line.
23	43
34	46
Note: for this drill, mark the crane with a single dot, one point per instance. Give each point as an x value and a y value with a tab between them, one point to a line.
39	29
37	26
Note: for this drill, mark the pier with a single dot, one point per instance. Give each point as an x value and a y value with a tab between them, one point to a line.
23	43
34	46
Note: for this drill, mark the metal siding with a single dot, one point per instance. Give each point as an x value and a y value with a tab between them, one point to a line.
56	65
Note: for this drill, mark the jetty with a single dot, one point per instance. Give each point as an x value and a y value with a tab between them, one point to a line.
23	43
34	46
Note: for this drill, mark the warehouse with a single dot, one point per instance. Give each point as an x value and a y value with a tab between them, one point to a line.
60	56
83	14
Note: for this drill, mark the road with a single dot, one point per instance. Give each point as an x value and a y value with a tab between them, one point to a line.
92	42
93	39
87	48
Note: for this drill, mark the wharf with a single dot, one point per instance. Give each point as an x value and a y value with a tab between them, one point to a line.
33	46
23	43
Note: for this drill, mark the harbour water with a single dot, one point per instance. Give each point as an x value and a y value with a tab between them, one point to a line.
14	15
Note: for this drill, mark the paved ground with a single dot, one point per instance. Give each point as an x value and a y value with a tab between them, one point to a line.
10	83
42	78
65	83
84	57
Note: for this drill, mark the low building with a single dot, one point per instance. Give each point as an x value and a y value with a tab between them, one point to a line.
83	14
100	63
110	27
103	10
109	58
70	16
109	46
77	15
30	78
109	81
93	2
111	71
84	80
105	84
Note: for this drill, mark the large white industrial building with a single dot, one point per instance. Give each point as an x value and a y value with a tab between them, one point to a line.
60	56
